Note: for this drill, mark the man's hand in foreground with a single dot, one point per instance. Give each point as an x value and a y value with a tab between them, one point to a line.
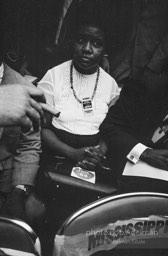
19	105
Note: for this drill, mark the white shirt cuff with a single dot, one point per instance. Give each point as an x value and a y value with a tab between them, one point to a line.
135	153
1	72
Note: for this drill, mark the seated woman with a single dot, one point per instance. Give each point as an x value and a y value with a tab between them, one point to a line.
82	92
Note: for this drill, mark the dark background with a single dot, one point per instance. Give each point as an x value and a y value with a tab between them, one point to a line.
29	29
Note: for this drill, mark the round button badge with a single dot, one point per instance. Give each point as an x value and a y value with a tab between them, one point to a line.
83	174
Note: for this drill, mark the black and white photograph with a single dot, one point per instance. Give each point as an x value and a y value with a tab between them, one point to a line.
84	127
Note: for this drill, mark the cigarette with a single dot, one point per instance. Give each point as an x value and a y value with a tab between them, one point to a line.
105	168
50	109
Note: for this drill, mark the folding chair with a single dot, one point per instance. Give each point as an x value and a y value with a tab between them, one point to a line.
126	224
17	238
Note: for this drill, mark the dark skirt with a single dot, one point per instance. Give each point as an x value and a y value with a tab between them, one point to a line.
75	140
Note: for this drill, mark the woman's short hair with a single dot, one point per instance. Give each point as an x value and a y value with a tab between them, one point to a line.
89	19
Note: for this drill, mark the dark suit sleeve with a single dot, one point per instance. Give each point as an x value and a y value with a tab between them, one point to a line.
117	128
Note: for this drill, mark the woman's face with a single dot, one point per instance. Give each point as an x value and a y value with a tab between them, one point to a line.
88	49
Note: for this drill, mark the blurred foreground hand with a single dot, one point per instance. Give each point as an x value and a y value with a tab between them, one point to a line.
20	105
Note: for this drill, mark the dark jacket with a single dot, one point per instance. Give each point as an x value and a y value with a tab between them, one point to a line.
148	43
132	120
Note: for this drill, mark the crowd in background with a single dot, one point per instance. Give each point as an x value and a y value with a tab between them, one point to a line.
40	33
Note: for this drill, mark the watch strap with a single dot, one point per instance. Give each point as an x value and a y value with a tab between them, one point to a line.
22	187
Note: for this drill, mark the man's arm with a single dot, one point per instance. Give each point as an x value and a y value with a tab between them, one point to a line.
19	105
119	129
26	159
25	166
116	128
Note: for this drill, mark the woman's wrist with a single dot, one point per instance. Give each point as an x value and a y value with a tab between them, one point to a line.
70	153
103	147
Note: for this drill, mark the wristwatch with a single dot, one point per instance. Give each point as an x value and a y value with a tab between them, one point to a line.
25	188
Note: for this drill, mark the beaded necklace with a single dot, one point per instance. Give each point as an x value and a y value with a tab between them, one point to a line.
71	82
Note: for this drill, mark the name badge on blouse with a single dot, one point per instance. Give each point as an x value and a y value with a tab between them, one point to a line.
87	105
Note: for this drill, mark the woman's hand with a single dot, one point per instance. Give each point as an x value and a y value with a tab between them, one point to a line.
77	155
93	159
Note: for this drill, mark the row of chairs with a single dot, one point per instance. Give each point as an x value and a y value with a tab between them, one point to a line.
132	221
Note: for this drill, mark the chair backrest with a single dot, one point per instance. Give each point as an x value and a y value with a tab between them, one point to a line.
129	221
18	238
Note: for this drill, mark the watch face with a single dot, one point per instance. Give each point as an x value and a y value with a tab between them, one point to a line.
25	188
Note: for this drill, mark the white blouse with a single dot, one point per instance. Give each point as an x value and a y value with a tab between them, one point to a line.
57	88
